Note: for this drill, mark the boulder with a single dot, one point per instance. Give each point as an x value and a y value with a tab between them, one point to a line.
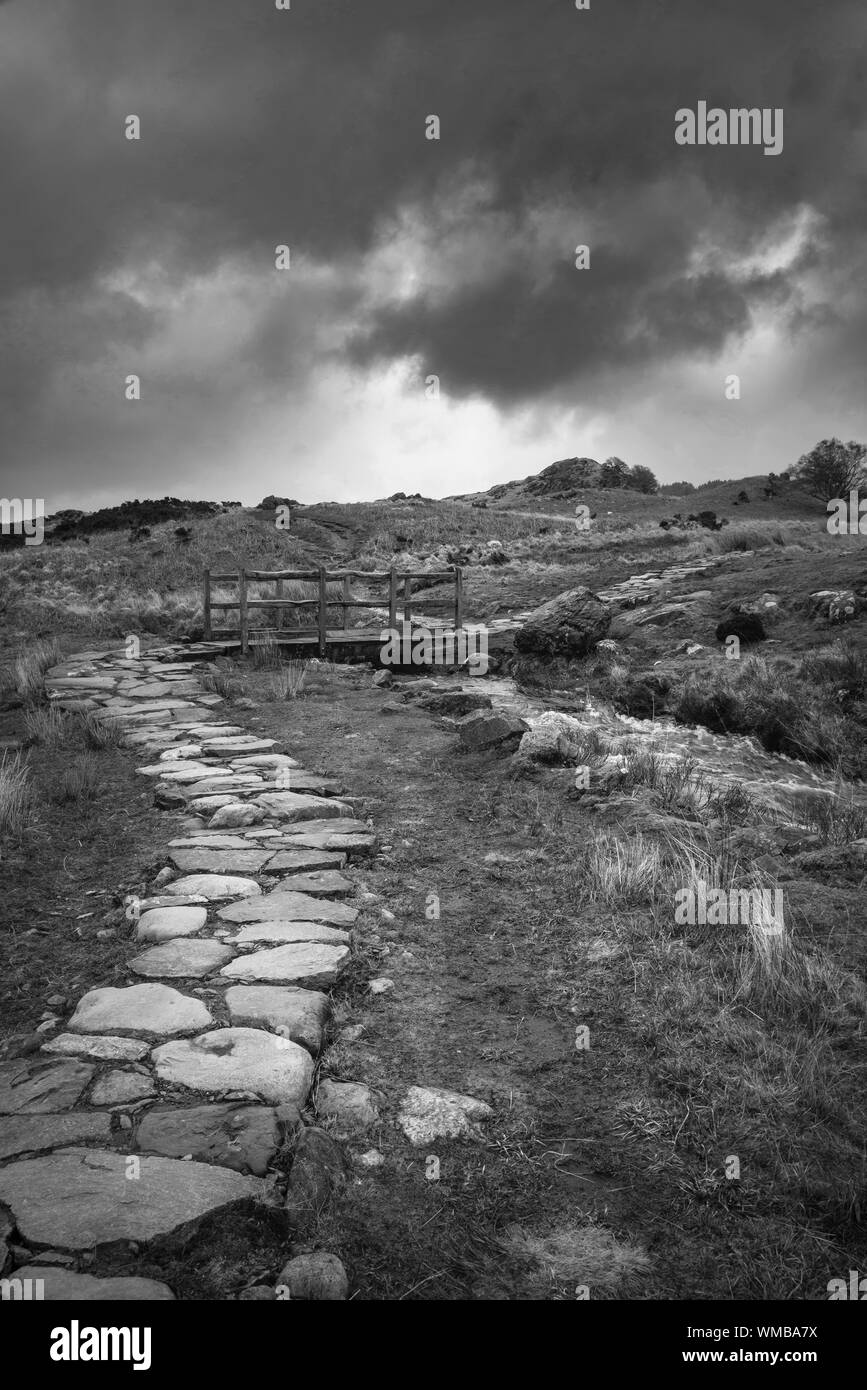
741	620
567	626
490	729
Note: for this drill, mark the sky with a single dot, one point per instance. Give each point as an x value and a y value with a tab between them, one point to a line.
431	332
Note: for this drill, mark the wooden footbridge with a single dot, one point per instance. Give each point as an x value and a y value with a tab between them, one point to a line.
397	598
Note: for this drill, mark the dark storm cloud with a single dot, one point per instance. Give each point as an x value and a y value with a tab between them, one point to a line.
308	127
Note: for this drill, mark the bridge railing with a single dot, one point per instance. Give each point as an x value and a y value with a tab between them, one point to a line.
399	597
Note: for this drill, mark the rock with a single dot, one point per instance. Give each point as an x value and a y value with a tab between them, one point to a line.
307	963
483	730
83	1197
347	825
300	859
554	739
33	1133
169	923
429	1113
315	1278
279	933
206	805
300	806
246	1059
297	1014
289	906
216	886
381	985
182	958
318	1170
327	882
35	1085
98	1049
392	707
455	702
265	760
244	1137
169	799
155	1010
383	678
235	814
259	1293
122	1088
836	605
371	1158
66	1286
202	859
350	1104
742	621
568	626
243	745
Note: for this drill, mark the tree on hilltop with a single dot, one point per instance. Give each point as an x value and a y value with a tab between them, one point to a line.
832	469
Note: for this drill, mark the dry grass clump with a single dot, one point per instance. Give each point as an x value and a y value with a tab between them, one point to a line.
16	801
288	682
31	664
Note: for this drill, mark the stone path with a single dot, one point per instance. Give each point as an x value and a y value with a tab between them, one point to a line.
167	1098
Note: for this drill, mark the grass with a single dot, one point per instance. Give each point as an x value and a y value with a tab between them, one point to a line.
287	683
46	725
78	783
803	709
15	794
30	666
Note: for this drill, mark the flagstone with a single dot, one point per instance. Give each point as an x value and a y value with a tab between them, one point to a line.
35	1085
238	1059
169	923
326	881
214	886
219	861
81	1198
278	932
21	1134
310	963
181	958
297	806
243	1137
97	1049
122	1088
292	907
297	1014
68	1286
152	1009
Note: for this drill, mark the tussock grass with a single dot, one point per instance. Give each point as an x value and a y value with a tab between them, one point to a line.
31	664
288	682
79	783
46	725
621	872
222	683
16	800
99	730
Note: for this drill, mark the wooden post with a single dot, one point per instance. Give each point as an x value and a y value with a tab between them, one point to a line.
242	609
407	594
206	605
459	599
347	595
281	612
392	600
323	611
